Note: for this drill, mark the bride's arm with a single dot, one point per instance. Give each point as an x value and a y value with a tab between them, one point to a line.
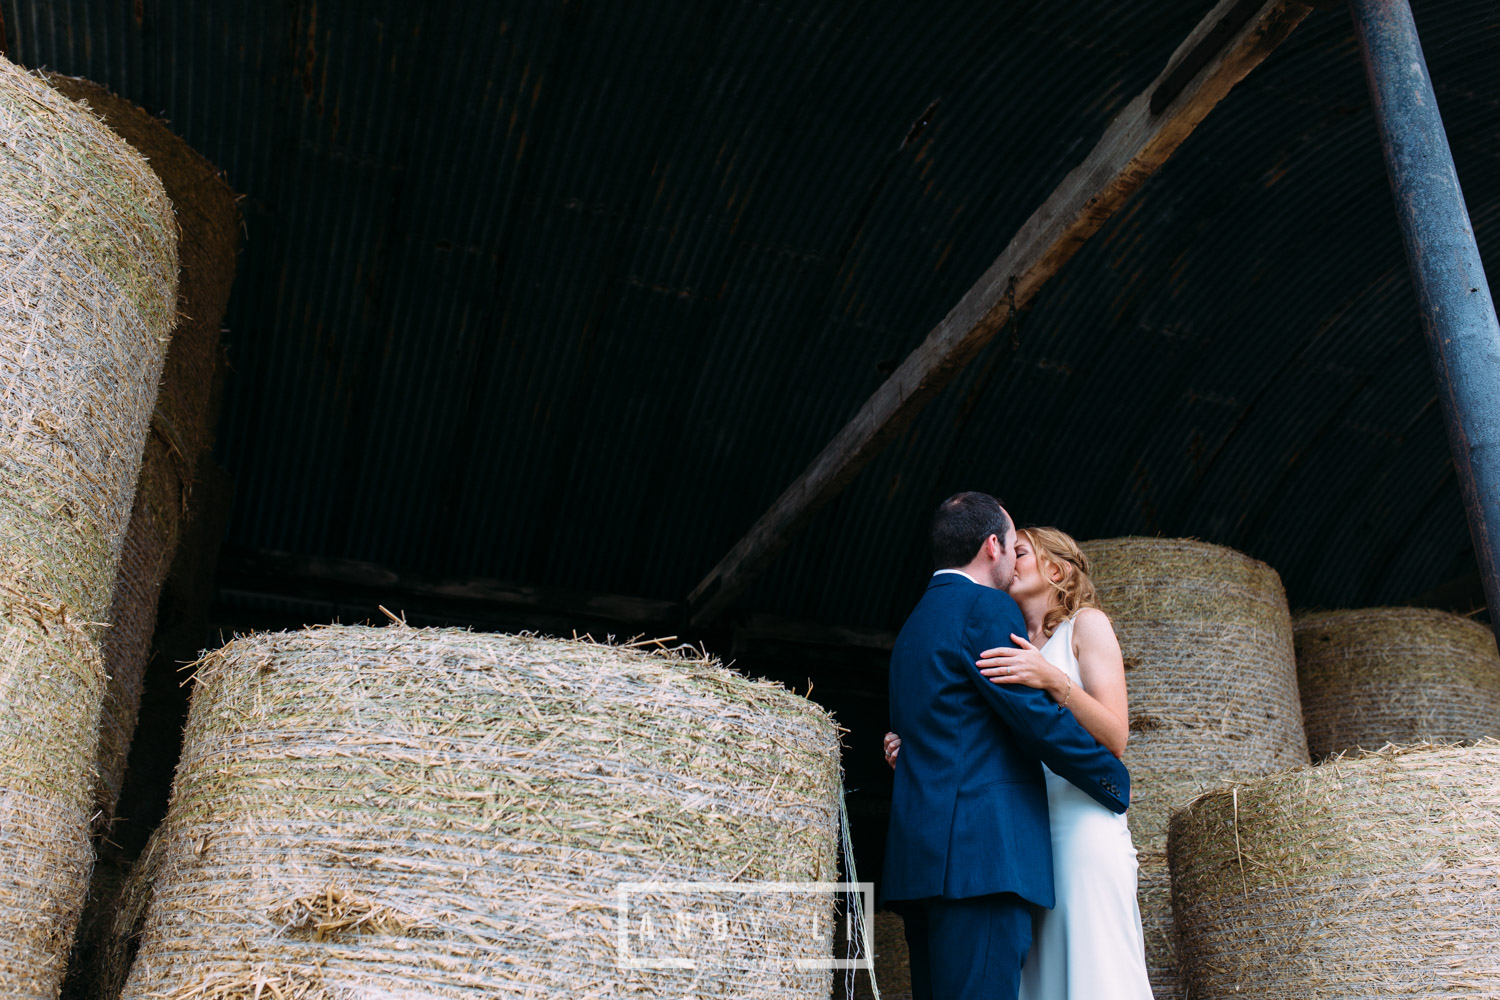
1101	706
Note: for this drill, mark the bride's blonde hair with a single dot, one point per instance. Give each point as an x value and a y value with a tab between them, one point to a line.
1075	591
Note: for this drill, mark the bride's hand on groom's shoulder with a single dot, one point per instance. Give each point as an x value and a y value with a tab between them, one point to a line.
1024	664
892	747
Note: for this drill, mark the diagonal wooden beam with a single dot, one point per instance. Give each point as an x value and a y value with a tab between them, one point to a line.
1231	41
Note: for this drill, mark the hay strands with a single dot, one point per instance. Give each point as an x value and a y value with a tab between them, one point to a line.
333	911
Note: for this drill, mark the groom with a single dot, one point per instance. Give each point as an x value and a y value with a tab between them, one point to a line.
969	845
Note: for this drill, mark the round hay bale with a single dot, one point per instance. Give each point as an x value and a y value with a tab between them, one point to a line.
181	426
1395	675
384	812
1154	896
209	219
1207	641
1372	875
88	254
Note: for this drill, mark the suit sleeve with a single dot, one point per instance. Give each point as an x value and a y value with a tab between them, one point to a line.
1043	727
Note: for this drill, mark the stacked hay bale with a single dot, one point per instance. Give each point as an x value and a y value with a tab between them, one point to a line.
393	811
1206	637
1395	675
182	424
1372	875
88	253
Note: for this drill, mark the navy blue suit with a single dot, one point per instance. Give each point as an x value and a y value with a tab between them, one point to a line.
969	813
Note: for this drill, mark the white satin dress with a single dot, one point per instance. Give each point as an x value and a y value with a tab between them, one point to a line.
1089	946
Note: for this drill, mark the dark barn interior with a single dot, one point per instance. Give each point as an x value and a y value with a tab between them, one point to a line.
541	305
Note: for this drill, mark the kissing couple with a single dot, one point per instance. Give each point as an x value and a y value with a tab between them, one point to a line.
1007	854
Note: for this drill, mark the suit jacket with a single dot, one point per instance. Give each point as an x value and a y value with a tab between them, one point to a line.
969	813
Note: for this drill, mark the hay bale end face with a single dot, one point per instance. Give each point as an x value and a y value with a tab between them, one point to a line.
1359	877
1206	637
397	811
209	221
1395	675
182	423
88	255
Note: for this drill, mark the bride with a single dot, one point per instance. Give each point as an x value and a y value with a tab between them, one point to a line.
1089	946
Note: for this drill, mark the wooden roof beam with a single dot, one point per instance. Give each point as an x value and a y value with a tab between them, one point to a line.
1231	41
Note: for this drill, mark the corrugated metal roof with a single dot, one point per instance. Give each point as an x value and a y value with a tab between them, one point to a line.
1237	356
567	292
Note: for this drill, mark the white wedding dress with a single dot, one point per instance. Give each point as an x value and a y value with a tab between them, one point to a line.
1089	946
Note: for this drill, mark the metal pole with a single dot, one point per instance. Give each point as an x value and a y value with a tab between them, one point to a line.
1458	315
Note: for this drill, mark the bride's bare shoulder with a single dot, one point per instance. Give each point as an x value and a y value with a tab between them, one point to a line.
1092	628
1095	643
1093	619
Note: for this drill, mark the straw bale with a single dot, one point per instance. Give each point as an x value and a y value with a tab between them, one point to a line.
181	426
1367	875
397	812
89	245
1395	675
1207	641
88	254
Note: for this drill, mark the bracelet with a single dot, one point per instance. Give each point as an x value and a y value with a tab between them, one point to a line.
1070	693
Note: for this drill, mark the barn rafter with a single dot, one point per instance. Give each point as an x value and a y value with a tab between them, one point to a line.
1234	38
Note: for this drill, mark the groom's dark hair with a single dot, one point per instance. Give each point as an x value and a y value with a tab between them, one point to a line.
961	524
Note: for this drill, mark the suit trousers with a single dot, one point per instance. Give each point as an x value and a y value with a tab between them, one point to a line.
967	949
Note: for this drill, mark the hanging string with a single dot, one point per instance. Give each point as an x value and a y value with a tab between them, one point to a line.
859	942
